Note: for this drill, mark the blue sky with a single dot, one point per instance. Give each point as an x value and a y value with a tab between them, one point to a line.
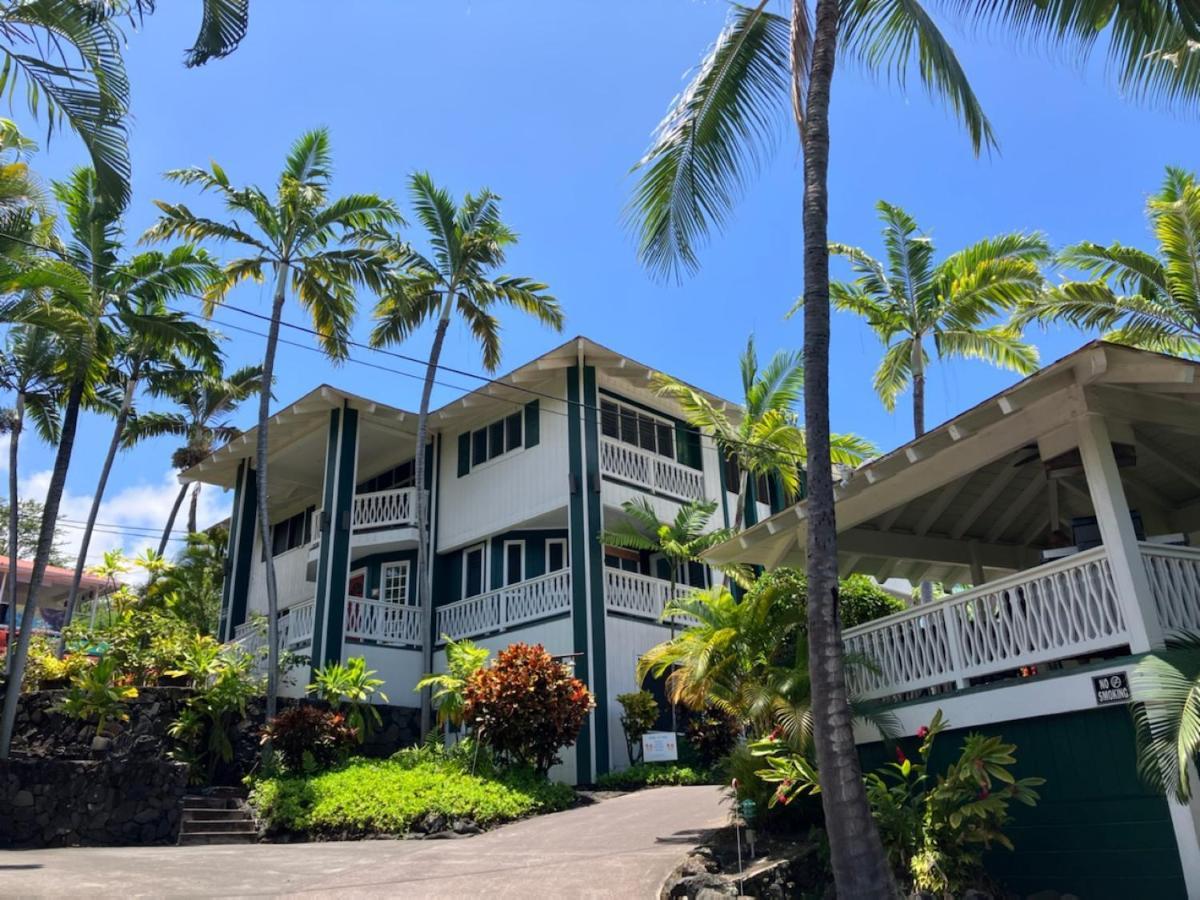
549	104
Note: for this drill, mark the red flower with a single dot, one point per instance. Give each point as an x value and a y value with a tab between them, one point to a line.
922	732
778	730
983	793
900	755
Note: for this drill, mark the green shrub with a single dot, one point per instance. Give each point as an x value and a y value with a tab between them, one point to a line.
526	706
644	775
463	659
639	712
43	667
97	694
712	733
387	797
354	685
308	738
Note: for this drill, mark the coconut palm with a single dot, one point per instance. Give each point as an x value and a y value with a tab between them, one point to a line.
319	249
1167	715
149	339
205	403
1148	300
712	139
30	368
909	299
763	435
469	242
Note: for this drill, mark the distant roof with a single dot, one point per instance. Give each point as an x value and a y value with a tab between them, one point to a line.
55	576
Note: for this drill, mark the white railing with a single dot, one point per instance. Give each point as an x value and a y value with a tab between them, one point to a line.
385	509
649	470
1058	610
383	623
1174	574
639	595
526	601
296	625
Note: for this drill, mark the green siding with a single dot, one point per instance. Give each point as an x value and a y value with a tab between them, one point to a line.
333	565
1098	831
535	552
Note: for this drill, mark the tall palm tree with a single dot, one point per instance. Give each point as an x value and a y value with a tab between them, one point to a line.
714	136
321	248
149	339
1149	300
764	435
205	403
30	368
469	242
909	298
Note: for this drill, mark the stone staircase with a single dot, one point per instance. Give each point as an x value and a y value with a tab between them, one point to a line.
216	819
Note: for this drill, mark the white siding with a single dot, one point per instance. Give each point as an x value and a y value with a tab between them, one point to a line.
626	640
291	582
511	489
400	669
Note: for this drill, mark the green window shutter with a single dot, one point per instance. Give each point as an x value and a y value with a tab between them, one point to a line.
687	446
464	453
532	424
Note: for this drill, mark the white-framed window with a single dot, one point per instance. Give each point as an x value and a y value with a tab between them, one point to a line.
393	582
556	554
514	562
637	428
474	579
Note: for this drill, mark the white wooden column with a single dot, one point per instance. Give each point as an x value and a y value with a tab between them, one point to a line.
1116	531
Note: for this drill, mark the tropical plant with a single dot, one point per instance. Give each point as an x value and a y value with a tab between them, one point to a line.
469	242
712	733
45	670
463	659
716	134
1167	715
908	299
189	589
1148	300
98	694
527	706
639	712
353	684
321	248
310	739
763	435
205	402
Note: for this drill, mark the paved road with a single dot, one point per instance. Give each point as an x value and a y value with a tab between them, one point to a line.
622	847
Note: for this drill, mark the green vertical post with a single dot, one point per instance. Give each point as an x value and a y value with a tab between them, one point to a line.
579	573
333	564
591	440
240	555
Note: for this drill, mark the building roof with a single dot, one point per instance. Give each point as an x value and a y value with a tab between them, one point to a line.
55	576
971	480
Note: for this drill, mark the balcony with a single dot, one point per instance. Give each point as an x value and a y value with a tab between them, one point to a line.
377	521
641	596
650	471
1060	610
386	624
543	597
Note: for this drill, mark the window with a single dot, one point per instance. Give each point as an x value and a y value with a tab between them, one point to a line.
401	476
473	569
514	431
514	562
393	582
625	560
556	554
631	426
292	532
479	447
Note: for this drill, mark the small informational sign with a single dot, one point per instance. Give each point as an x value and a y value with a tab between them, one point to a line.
659	746
1111	688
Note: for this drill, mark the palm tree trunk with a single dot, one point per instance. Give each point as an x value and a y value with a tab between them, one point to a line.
918	376
260	465
166	535
860	867
192	508
13	527
41	559
424	595
113	446
739	515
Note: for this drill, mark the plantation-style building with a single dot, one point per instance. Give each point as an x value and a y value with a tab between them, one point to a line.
1070	504
525	473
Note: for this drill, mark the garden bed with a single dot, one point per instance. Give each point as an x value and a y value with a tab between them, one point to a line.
785	864
646	775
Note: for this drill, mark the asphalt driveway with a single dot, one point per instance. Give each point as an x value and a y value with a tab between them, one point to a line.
621	847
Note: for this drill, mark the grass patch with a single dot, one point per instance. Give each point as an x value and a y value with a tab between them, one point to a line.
388	796
641	775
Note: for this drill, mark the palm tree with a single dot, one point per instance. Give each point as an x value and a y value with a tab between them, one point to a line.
909	298
717	132
763	435
149	339
1142	299
205	402
1167	715
30	368
469	242
323	249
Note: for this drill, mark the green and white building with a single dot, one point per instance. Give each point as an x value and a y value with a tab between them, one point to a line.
525	473
1070	504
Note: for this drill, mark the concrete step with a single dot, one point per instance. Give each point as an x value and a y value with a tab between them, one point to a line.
218	826
197	801
218	837
191	814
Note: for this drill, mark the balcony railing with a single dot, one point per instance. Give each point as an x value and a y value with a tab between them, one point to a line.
526	601
395	508
1057	611
649	470
639	595
391	624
